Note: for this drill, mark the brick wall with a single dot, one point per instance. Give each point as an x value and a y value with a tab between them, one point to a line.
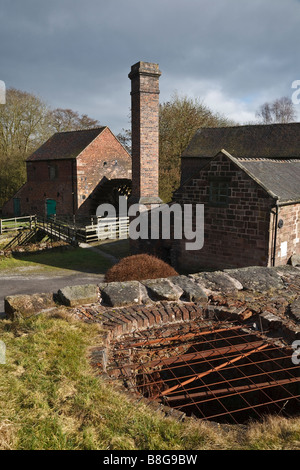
145	131
235	235
40	187
105	157
190	167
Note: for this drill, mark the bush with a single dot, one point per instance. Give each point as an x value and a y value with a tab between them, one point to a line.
139	267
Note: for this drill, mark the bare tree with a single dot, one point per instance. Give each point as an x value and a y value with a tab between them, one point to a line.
179	119
63	120
281	110
26	122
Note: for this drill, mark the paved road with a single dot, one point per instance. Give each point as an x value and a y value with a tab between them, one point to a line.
39	283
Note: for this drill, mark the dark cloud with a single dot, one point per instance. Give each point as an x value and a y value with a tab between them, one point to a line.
77	54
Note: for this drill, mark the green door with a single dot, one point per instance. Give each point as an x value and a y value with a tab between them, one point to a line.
17	207
50	207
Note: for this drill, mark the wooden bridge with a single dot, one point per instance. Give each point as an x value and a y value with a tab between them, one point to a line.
63	229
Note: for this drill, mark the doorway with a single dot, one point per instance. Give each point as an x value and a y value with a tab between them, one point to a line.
50	207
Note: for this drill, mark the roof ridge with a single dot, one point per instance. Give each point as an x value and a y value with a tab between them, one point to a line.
238	126
81	130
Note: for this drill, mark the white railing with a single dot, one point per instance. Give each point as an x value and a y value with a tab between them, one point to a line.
16	223
101	229
107	228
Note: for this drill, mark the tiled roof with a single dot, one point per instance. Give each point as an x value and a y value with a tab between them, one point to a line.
252	141
65	145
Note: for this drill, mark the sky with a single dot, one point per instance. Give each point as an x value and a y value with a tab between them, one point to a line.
233	55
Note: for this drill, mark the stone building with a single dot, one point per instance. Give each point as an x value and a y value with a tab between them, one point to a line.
247	178
72	173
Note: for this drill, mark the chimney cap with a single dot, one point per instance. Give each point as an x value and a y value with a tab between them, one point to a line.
144	68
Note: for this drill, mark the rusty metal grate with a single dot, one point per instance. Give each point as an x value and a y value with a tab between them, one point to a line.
216	371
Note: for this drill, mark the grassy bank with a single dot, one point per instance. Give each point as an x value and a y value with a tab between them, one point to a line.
51	399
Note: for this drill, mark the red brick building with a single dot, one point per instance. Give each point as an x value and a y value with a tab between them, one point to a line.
72	173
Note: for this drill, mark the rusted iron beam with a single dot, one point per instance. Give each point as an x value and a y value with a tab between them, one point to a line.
253	407
228	392
214	369
244	376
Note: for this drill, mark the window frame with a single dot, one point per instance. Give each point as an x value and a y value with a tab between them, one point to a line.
218	191
52	172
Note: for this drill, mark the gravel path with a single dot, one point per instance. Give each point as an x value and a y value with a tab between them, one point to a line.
26	283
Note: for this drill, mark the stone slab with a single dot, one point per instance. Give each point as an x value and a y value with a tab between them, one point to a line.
119	294
162	289
25	306
217	281
257	278
192	292
71	296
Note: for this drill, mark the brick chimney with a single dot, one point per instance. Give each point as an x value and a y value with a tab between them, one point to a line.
144	78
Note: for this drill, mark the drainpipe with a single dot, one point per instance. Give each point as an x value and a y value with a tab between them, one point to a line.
275	235
73	184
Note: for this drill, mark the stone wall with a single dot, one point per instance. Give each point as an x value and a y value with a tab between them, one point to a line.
236	234
287	234
262	297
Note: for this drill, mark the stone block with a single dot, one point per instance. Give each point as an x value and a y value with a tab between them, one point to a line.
295	309
72	296
192	292
271	321
217	281
162	289
294	260
23	306
119	294
257	278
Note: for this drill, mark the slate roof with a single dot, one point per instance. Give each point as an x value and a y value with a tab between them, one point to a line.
270	154
252	141
280	178
65	145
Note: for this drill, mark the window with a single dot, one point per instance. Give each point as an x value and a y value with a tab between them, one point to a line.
218	192
53	172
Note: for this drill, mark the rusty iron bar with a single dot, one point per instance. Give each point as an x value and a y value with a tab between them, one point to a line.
268	374
211	355
272	402
245	376
236	390
251	376
203	374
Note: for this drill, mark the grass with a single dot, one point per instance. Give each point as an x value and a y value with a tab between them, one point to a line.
51	399
119	248
76	259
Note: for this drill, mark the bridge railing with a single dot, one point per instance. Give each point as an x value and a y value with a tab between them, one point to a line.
17	223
